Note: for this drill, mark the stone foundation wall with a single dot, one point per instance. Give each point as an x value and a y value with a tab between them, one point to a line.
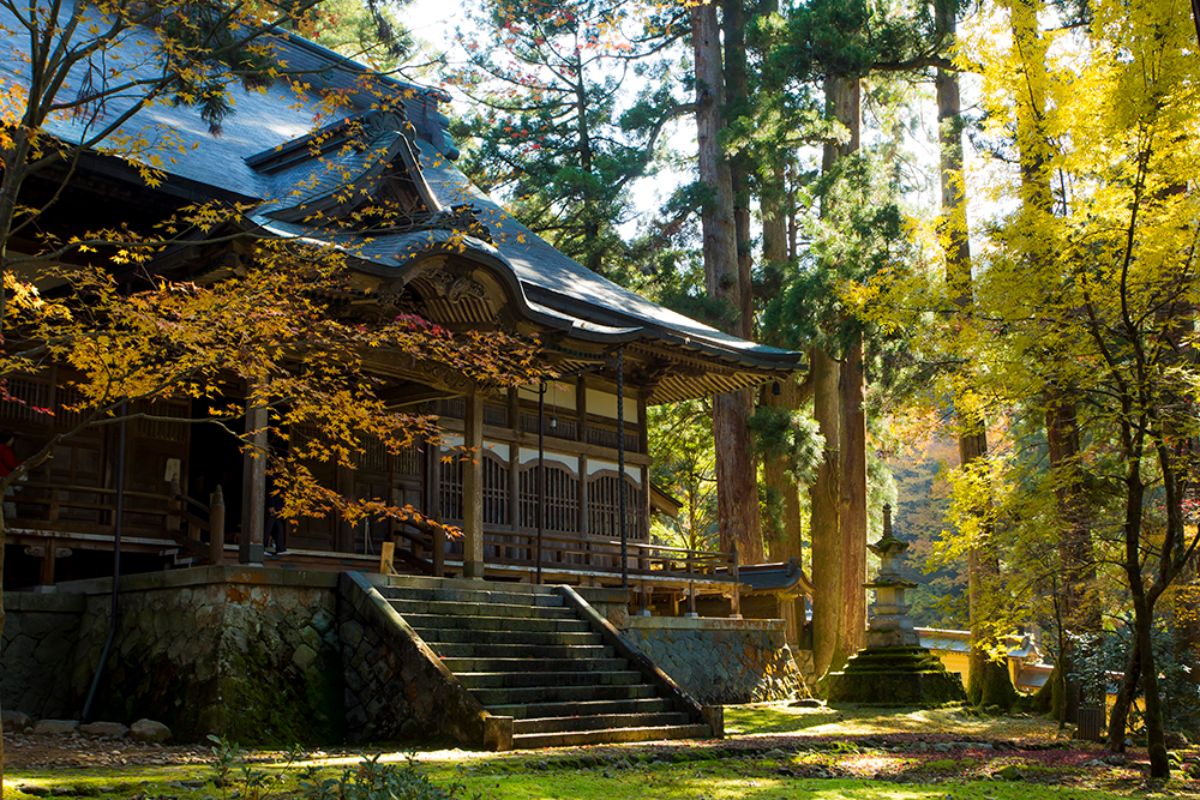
250	654
40	631
720	661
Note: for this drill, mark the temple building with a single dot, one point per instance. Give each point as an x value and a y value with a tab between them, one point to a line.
616	354
379	630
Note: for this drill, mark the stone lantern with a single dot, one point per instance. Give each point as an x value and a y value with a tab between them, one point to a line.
890	624
894	669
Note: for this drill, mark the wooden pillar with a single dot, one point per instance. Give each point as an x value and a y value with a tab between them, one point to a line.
581	409
254	487
49	559
216	526
473	487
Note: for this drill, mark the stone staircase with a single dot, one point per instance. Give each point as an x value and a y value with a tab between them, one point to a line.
527	652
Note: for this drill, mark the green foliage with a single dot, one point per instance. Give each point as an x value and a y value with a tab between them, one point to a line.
555	129
789	434
683	464
375	780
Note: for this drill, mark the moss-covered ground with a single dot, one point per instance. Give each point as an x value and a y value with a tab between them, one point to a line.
772	753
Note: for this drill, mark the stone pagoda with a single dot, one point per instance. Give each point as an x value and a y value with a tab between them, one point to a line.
894	669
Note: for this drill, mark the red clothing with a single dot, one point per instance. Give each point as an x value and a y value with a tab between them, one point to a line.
8	460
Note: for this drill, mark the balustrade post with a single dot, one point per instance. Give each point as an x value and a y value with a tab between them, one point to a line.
691	603
216	526
174	507
736	602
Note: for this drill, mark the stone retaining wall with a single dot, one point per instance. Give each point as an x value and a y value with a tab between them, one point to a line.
720	661
40	631
250	654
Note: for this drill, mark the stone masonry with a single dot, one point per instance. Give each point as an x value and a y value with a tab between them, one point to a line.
720	661
250	654
397	688
40	632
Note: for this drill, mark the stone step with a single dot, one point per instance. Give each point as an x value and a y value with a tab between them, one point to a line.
437	635
508	695
485	596
464	584
505	624
531	665
592	722
510	650
462	609
488	680
610	735
641	705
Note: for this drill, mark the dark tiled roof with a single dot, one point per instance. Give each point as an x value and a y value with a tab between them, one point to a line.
267	120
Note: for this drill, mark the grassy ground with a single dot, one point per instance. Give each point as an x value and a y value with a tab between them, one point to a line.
769	719
773	752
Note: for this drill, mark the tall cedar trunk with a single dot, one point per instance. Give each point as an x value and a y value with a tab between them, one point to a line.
737	96
825	495
783	526
591	221
838	593
737	493
988	681
853	501
1062	433
1074	548
3	530
784	533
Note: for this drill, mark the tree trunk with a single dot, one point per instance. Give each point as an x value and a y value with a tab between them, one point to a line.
852	516
824	530
1156	748
843	103
737	96
1119	716
784	535
737	491
988	681
3	543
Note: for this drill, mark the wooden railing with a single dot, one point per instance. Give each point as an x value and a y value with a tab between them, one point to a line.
584	555
67	508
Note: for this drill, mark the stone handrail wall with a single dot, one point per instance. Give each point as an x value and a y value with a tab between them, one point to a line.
719	660
396	686
637	659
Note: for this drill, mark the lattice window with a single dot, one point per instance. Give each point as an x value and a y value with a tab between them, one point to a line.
556	424
495	414
454	408
606	436
495	490
408	461
158	424
27	394
604	507
562	498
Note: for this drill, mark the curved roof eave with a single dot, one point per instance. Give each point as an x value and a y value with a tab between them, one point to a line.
480	252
